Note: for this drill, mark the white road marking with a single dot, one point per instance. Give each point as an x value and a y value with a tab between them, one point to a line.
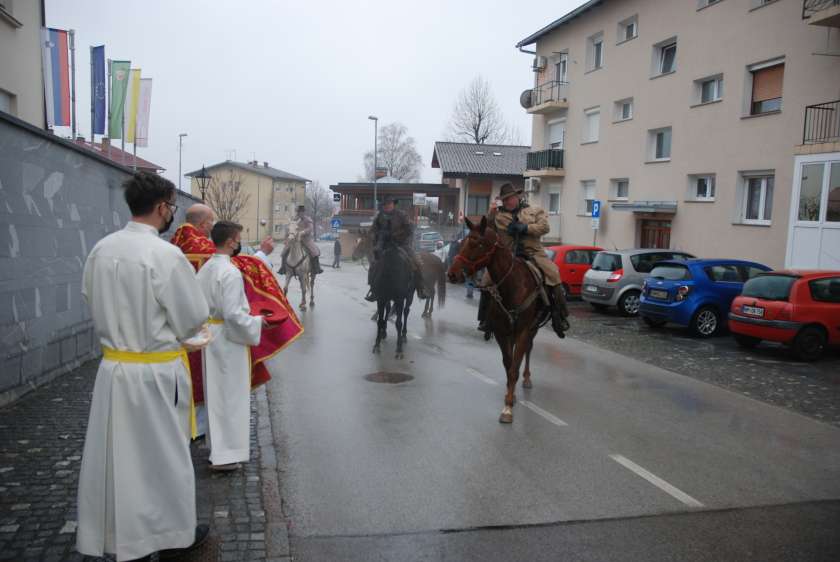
656	481
482	378
547	415
415	336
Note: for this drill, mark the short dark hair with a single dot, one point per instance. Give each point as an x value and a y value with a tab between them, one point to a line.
144	190
224	231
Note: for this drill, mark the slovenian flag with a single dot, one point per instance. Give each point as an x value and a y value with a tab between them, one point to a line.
56	76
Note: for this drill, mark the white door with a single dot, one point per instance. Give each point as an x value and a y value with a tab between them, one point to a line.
814	232
556	134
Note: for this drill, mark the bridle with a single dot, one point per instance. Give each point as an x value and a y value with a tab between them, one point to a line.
472	266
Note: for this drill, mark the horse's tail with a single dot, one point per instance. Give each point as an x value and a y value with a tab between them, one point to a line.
441	285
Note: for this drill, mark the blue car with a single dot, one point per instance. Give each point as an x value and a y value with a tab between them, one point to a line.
695	293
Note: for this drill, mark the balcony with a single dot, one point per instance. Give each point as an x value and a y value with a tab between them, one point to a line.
546	98
545	164
821	12
821	130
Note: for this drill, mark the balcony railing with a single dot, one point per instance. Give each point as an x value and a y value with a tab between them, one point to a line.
549	91
811	7
543	159
822	123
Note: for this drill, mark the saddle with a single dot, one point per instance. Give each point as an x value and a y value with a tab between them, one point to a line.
539	277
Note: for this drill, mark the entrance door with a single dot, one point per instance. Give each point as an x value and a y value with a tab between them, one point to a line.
655	234
814	235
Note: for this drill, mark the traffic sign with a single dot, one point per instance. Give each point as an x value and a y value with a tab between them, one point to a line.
596	223
335	223
596	209
336	198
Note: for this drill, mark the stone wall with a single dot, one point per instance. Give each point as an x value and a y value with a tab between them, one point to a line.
56	201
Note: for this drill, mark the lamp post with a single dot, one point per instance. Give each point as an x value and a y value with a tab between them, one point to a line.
375	139
180	146
203	178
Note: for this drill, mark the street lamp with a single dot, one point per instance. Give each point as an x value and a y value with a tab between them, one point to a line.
375	138
203	178
180	146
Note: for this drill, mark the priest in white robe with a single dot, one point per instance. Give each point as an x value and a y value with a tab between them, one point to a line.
137	485
227	360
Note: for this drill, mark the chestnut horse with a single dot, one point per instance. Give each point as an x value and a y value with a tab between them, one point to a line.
516	311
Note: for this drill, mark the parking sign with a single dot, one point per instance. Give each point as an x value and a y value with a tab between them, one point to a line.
596	209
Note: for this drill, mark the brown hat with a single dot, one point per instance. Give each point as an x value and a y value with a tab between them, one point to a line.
507	190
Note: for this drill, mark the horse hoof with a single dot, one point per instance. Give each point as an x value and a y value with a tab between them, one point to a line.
527	383
506	418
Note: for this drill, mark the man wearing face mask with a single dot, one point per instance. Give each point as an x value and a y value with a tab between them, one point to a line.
137	485
227	368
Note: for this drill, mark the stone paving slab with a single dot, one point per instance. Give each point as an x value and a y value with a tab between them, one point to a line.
41	441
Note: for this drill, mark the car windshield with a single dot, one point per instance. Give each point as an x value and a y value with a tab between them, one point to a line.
671	272
769	287
606	262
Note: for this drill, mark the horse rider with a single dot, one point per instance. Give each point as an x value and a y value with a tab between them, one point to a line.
391	226
520	227
305	230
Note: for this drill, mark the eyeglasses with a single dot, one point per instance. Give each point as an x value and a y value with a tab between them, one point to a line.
172	207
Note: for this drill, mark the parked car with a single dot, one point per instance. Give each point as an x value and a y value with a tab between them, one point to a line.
797	308
573	262
694	293
427	241
616	277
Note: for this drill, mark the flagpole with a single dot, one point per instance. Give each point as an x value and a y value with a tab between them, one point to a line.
92	98
108	101
72	34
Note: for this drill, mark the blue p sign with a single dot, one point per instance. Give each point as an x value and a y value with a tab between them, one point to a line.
596	209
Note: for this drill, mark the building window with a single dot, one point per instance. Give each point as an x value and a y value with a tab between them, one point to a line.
556	133
766	88
595	51
553	203
665	57
701	187
277	207
703	3
659	144
628	29
620	188
561	68
587	197
709	89
756	199
278	228
591	124
7	102
623	110
478	205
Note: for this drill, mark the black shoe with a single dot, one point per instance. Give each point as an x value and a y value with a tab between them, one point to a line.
201	534
560	327
370	297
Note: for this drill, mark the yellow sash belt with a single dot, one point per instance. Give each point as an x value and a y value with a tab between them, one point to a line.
152	357
215	321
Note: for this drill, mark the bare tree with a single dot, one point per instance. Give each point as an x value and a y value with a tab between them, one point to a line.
319	203
396	152
477	118
226	198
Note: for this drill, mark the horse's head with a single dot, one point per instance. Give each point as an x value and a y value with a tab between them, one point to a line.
476	251
364	246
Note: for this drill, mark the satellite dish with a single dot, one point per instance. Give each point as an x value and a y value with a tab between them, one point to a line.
525	99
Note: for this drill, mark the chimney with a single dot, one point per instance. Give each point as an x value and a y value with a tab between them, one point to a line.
265	164
106	142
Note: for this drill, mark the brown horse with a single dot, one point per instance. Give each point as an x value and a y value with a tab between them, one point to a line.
431	267
516	312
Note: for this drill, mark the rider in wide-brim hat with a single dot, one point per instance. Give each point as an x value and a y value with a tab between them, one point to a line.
306	232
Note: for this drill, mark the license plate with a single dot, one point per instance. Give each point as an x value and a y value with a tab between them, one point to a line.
591	289
752	310
657	294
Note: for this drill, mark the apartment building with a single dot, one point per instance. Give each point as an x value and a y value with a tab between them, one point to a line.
700	125
21	72
272	195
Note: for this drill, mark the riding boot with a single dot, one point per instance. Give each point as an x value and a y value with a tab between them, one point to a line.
483	306
315	262
371	296
559	312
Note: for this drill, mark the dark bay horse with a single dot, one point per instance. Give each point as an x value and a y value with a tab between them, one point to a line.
394	289
516	312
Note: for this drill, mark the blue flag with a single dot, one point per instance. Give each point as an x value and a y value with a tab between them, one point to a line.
97	92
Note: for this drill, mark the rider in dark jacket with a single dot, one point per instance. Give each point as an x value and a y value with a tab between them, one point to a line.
392	227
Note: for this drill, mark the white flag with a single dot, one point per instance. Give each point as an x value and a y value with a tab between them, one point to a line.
144	103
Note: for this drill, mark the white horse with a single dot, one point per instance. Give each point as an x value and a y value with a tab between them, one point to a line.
297	265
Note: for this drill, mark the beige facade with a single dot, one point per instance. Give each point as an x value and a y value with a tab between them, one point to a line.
727	44
274	196
21	76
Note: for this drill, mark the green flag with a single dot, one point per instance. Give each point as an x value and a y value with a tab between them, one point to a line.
119	86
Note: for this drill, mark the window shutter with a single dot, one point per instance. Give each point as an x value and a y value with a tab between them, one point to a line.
767	83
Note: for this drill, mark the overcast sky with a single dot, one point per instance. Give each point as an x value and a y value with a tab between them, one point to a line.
292	83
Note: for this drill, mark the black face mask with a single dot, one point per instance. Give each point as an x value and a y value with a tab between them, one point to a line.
238	249
166	226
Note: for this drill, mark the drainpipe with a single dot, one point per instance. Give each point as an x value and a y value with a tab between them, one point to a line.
526	51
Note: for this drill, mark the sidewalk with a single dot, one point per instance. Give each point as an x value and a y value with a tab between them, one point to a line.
41	441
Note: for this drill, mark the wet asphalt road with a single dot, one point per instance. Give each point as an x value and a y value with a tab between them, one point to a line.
608	458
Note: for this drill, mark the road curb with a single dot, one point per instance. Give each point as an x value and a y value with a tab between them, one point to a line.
276	527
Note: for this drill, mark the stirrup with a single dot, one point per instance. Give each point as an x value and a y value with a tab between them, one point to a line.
370	297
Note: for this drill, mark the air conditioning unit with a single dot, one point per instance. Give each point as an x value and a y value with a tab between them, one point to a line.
532	185
540	63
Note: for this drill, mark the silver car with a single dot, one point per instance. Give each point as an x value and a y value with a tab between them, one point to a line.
616	277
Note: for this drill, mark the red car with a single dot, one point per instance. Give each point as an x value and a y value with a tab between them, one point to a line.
573	262
798	308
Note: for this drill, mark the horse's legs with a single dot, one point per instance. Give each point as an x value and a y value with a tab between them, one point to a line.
302	280
521	346
399	305
312	290
506	347
526	375
380	325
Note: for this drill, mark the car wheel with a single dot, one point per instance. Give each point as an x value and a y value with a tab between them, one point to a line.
809	343
628	304
598	306
653	322
706	322
747	342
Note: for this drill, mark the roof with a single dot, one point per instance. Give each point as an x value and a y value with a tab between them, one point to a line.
384	188
114	154
255	167
585	7
713	261
461	158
